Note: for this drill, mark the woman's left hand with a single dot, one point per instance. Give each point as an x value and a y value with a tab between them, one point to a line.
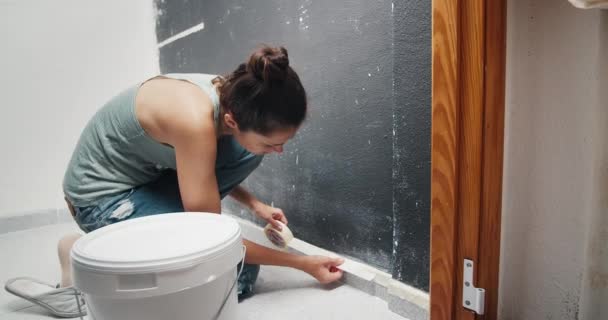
270	214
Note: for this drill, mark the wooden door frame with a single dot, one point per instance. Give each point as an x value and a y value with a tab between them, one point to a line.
468	93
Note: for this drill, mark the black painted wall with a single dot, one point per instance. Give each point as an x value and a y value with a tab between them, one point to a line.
412	142
356	179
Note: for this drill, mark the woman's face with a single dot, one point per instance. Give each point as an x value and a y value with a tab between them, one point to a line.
264	144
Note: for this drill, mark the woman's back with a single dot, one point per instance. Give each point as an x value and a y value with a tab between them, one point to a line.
122	146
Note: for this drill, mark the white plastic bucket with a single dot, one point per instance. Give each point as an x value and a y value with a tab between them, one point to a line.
177	266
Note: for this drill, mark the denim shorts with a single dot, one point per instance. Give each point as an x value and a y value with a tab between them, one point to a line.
158	197
233	165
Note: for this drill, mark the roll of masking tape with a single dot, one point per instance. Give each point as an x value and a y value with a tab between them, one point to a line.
278	238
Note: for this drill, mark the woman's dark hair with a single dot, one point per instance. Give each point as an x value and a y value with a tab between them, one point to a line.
264	94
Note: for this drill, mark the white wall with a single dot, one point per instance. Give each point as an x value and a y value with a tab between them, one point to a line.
554	254
594	292
59	62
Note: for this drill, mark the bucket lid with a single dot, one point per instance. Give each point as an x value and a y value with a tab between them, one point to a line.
156	243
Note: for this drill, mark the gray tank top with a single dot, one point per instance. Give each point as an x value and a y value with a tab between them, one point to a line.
114	153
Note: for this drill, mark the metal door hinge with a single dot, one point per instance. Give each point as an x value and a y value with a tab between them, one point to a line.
472	298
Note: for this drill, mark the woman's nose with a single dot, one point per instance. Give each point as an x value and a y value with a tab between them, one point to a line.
278	149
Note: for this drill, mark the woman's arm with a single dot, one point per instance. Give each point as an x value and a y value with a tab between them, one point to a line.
244	197
262	210
181	115
322	268
195	159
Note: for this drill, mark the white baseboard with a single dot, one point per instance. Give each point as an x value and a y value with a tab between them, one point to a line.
33	219
402	299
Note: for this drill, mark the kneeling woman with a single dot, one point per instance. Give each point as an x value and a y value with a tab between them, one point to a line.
182	142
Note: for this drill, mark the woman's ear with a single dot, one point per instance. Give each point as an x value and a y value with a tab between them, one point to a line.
230	122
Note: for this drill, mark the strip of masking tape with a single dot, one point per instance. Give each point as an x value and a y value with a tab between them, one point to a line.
254	233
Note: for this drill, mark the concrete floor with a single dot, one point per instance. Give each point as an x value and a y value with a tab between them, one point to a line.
280	292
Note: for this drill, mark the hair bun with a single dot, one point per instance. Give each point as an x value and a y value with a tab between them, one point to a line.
268	63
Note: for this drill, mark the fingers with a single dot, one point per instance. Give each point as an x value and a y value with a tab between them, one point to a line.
334	261
279	215
283	218
324	268
276	224
334	272
333	276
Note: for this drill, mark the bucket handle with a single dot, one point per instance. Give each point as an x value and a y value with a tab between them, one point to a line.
217	315
77	297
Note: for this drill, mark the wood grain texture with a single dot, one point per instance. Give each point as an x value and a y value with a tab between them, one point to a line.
489	249
467	150
471	141
444	137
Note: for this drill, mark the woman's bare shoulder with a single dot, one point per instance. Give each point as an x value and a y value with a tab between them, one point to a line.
170	109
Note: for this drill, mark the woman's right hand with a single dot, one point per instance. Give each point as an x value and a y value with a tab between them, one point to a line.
324	269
